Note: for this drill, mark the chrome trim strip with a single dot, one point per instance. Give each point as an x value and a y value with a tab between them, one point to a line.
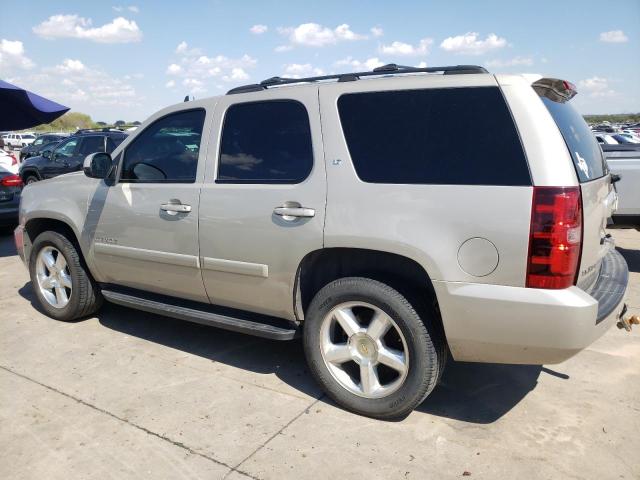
233	266
147	255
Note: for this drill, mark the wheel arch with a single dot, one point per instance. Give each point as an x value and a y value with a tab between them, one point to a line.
30	171
36	225
320	267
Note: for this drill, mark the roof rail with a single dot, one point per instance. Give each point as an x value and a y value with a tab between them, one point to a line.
390	69
100	129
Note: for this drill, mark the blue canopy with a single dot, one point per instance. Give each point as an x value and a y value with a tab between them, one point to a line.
21	109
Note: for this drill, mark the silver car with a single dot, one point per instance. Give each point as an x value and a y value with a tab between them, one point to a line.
391	218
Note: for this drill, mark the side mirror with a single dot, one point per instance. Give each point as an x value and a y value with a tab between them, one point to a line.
615	178
97	165
47	154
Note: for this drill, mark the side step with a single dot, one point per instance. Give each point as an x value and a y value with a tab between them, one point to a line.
219	320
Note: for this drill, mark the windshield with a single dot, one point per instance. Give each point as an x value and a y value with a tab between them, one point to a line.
585	151
28	136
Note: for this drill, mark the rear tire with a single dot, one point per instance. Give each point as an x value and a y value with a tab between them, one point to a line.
403	364
62	283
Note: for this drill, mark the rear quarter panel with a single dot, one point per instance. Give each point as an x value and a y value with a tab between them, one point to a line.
427	223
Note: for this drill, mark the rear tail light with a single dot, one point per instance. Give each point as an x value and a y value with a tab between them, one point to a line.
11	181
555	241
14	160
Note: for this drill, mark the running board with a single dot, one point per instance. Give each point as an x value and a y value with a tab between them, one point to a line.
203	317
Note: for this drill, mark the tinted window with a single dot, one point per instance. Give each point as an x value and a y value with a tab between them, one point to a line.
265	142
113	142
90	145
584	149
39	141
461	136
166	151
66	149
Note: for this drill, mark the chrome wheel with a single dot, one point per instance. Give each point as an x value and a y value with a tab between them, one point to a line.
364	349
54	278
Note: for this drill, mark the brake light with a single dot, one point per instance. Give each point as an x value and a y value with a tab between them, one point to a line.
555	241
11	181
14	160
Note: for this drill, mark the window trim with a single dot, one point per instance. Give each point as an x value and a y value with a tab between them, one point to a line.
123	153
217	180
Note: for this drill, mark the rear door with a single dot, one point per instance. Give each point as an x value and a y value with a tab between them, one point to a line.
262	206
598	194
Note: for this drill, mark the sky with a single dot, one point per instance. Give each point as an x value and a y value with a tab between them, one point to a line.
124	60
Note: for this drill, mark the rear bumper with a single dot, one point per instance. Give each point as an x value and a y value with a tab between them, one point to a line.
9	214
501	324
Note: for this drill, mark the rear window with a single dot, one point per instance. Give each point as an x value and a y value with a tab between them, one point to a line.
583	146
460	136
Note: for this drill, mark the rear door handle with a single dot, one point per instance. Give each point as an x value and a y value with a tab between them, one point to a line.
291	213
175	208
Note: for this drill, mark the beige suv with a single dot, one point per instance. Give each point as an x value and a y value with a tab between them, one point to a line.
390	218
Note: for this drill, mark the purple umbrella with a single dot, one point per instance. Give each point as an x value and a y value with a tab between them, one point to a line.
20	108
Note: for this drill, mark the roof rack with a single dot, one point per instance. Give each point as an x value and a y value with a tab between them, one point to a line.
389	69
100	129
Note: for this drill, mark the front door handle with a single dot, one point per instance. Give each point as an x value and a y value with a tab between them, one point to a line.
291	213
175	208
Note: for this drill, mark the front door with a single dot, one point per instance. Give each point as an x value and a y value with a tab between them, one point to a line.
63	155
146	235
262	204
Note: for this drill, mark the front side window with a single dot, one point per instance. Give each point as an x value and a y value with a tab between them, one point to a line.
39	141
265	142
166	151
67	149
455	136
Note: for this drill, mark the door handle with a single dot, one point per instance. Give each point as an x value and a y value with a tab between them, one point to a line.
175	208
291	213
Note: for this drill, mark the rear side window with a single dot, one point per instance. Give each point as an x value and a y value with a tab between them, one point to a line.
265	142
585	152
461	136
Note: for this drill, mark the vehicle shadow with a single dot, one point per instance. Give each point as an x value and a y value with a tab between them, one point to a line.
7	245
632	257
469	392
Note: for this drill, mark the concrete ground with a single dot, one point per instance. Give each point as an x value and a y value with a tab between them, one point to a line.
127	394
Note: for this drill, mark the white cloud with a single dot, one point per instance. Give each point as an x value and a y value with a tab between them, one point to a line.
422	65
258	29
197	70
70	66
471	44
81	87
119	30
174	69
297	70
376	31
516	61
12	55
194	85
237	74
282	48
357	65
614	36
170	84
316	35
596	87
406	49
131	8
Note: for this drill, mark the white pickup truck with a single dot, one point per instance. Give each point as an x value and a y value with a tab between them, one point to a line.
624	160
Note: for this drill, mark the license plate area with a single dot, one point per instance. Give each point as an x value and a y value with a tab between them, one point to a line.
6	197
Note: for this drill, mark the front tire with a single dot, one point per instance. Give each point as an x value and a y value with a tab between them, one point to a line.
64	287
370	350
29	179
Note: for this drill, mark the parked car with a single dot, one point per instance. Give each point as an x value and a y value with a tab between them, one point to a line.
36	147
8	161
606	139
10	187
19	140
386	218
624	161
625	138
67	155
